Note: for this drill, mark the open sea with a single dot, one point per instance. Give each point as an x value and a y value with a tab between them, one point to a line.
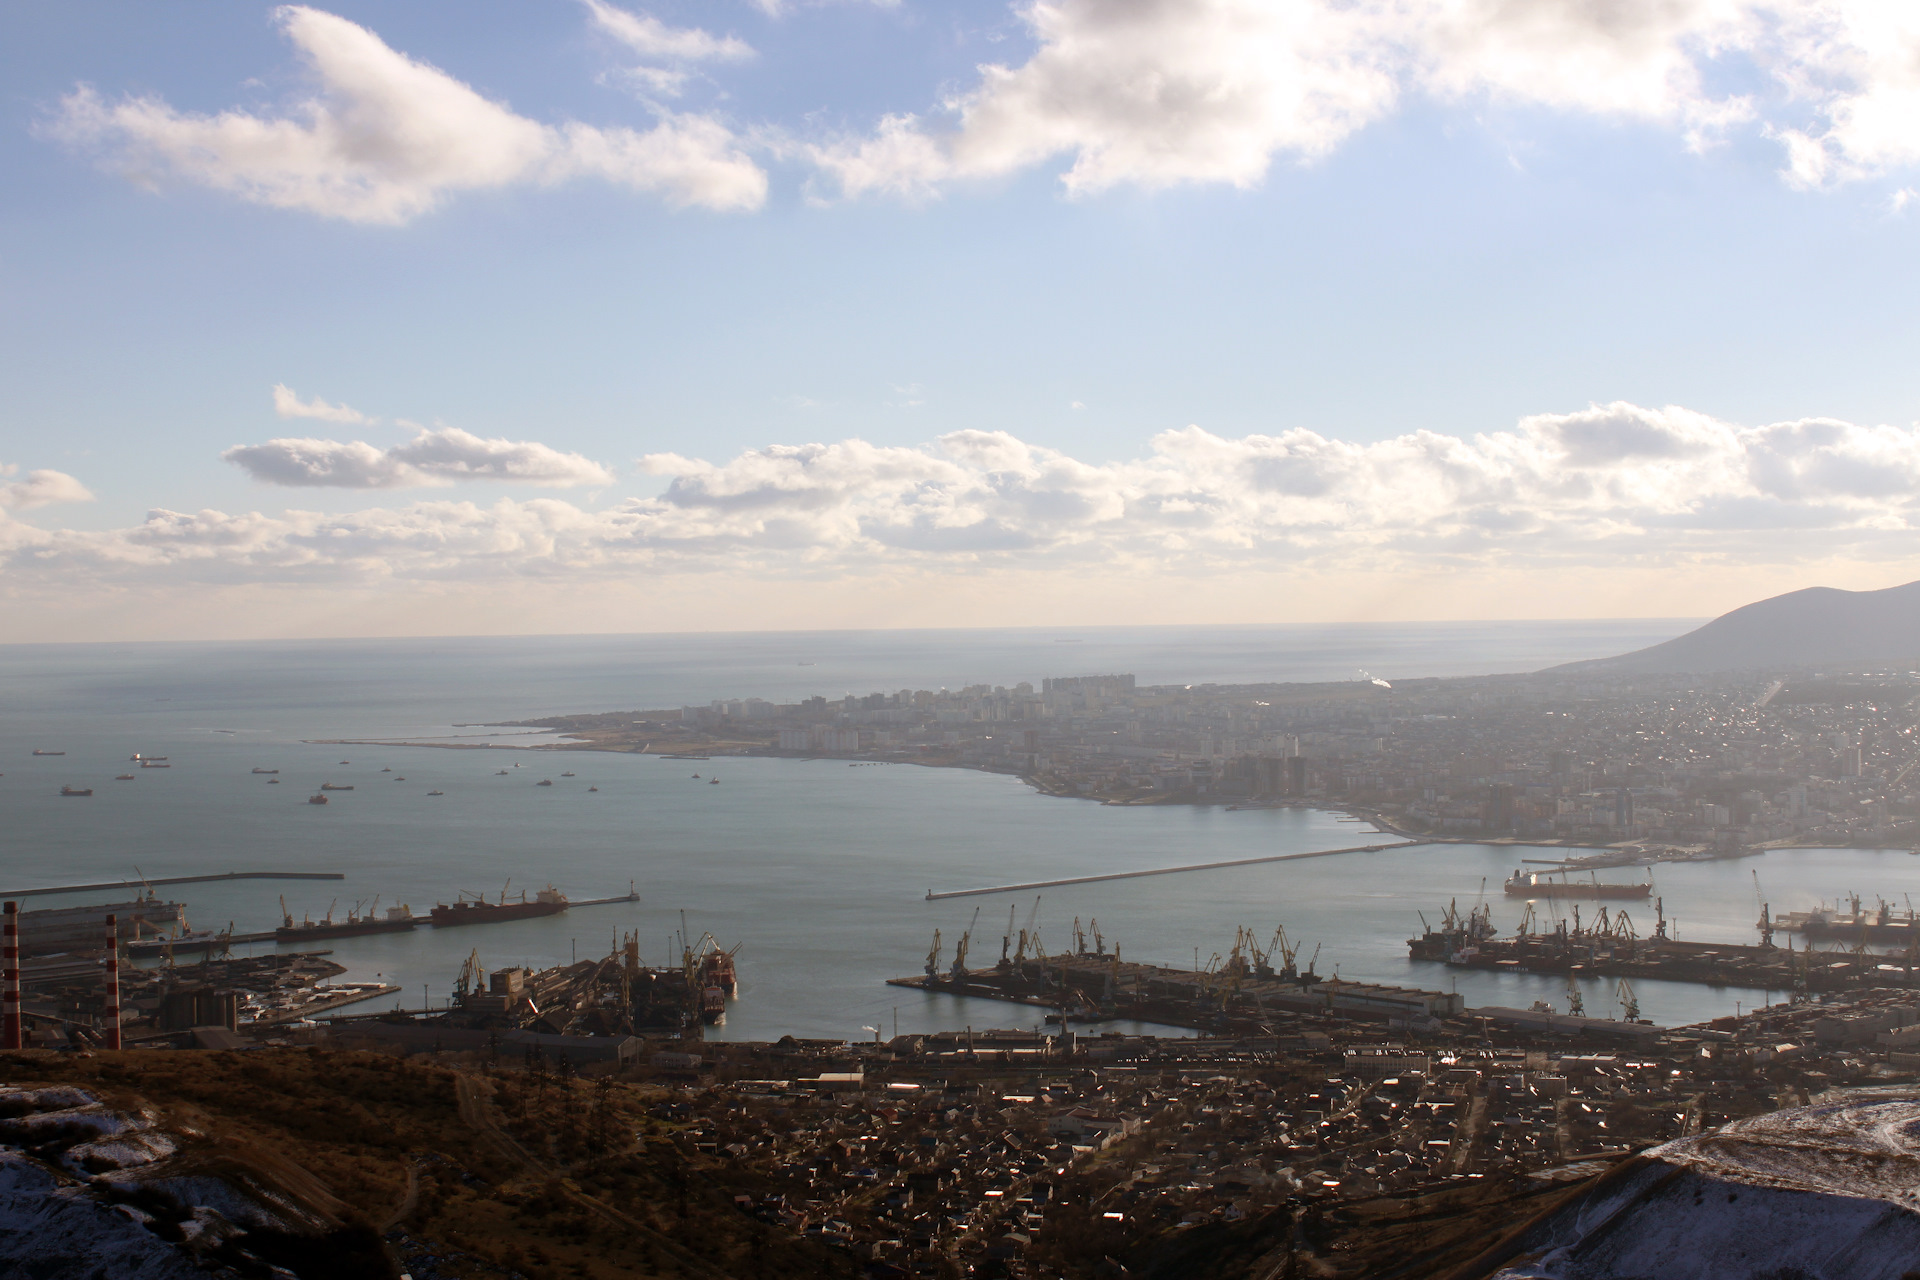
816	869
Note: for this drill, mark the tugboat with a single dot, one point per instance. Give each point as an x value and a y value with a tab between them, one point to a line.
316	799
477	910
76	791
436	793
544	782
273	782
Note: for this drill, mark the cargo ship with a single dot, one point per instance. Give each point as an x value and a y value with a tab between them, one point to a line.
37	751
477	910
396	920
266	771
1528	884
1881	925
329	786
76	791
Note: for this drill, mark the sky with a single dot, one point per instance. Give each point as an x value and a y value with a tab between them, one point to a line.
429	318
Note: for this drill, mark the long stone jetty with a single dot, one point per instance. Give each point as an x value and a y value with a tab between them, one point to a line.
1168	871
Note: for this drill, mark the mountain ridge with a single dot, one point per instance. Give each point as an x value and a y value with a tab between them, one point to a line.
1811	627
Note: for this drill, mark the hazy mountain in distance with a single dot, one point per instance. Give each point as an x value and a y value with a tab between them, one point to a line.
1817	627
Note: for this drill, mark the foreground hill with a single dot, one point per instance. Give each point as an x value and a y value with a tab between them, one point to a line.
1817	627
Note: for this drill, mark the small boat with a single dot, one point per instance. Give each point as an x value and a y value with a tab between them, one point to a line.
696	775
266	771
593	788
123	777
76	791
329	786
501	774
436	793
316	799
273	782
544	782
37	751
713	782
346	762
399	779
386	770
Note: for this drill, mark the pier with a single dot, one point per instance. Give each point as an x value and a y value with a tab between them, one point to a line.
1242	994
1168	871
141	884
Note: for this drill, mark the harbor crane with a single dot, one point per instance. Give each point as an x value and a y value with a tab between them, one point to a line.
958	973
1576	1007
1006	939
1099	943
1765	924
1629	1002
1029	936
933	959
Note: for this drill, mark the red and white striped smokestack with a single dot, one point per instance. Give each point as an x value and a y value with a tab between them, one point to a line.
113	982
10	979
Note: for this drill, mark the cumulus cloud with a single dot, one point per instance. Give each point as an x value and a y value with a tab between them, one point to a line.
432	458
387	138
289	405
39	489
1605	485
1158	92
648	36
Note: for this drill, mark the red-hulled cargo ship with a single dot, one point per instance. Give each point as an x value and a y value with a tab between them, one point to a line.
548	902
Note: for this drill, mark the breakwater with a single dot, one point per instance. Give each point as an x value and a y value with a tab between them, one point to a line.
1169	871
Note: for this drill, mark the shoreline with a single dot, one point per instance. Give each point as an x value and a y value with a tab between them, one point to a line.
739	750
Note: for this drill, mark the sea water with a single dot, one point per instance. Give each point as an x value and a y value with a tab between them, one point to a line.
816	870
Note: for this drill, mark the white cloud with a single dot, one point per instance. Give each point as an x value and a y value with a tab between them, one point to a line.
650	37
433	458
1159	92
1605	486
387	138
39	489
289	405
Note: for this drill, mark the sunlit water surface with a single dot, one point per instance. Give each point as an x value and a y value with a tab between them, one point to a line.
816	869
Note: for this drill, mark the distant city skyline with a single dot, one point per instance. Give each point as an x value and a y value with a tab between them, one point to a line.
415	319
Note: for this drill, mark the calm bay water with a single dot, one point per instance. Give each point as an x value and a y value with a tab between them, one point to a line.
818	869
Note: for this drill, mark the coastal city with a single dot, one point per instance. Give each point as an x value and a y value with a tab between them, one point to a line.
1709	762
1248	1116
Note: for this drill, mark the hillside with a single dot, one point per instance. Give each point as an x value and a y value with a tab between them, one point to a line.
328	1165
1816	627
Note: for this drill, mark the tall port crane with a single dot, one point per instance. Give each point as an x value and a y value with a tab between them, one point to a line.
1575	1006
1629	1002
958	973
1765	924
933	959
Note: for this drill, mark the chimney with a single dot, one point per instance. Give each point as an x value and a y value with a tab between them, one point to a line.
113	982
10	980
